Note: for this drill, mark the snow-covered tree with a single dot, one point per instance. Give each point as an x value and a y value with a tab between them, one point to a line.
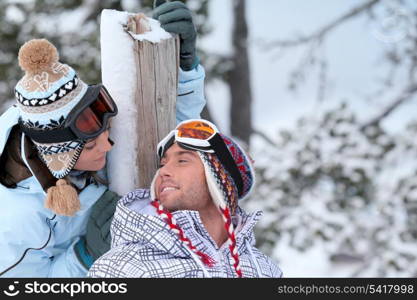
73	27
352	191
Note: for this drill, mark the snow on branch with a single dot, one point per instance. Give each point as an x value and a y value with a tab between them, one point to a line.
405	95
321	33
265	137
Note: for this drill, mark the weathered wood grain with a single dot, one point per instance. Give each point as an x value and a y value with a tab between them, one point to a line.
155	99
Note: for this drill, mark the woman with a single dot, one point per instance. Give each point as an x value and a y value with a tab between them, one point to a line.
56	208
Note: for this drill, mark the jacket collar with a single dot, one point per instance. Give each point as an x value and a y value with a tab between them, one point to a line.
140	224
190	221
12	167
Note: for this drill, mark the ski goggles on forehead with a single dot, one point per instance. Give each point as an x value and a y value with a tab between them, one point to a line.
190	134
202	135
87	120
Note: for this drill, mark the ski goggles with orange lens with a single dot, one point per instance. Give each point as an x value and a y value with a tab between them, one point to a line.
87	120
202	135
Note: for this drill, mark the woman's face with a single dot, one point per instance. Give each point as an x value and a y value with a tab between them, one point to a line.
93	156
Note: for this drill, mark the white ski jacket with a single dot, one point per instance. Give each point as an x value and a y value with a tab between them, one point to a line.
143	245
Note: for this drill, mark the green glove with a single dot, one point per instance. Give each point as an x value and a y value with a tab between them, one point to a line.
175	17
97	239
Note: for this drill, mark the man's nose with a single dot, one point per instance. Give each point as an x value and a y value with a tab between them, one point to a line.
165	170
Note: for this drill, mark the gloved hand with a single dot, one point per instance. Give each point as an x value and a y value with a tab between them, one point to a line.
175	17
97	240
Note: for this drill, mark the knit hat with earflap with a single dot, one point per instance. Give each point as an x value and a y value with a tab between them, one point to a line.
45	95
224	192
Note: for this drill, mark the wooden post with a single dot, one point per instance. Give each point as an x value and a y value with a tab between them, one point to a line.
155	96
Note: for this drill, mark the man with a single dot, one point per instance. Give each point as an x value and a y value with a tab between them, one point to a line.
56	211
189	224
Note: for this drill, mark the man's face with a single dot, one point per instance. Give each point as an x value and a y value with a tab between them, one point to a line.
181	183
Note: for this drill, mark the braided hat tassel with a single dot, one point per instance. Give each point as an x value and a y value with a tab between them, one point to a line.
168	217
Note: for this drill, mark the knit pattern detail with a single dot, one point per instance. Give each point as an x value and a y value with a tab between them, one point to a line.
228	204
243	164
56	95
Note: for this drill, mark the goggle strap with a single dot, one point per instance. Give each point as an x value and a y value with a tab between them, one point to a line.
164	147
58	135
195	148
223	154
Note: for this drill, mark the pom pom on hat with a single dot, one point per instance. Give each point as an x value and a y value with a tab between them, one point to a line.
63	199
37	56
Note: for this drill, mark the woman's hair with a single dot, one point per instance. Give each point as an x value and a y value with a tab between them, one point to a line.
97	178
7	181
12	168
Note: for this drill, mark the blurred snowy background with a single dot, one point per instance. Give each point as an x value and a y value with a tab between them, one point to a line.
322	92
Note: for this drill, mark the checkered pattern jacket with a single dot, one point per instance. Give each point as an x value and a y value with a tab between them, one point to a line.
144	246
